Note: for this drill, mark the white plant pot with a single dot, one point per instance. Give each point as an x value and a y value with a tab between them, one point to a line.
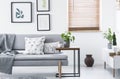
109	45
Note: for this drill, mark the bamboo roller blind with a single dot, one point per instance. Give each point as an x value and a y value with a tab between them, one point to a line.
83	15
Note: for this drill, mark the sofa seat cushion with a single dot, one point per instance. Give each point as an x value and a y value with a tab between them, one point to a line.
21	57
40	63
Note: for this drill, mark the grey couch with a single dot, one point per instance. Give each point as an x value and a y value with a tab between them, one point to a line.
39	60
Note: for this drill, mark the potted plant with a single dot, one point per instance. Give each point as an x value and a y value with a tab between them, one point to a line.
67	37
109	36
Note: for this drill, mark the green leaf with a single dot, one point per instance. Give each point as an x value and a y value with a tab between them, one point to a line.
18	10
22	16
108	35
67	36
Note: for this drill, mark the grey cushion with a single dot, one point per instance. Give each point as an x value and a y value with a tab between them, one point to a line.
20	39
40	63
40	57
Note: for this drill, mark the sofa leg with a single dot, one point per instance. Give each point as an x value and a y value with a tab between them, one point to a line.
104	65
60	68
113	72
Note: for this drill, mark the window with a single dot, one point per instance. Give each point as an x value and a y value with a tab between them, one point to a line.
83	15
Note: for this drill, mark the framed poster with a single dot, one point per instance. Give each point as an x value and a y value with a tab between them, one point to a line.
21	12
43	5
43	22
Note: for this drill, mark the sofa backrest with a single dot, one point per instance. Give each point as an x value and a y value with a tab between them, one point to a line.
20	39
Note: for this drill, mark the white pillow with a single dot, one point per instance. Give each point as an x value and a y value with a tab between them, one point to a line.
34	46
50	48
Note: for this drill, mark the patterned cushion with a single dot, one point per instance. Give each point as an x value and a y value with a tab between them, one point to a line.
51	47
34	45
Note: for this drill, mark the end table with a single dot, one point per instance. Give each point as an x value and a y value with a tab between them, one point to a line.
74	73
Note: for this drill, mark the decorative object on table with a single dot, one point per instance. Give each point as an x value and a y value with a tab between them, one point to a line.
115	49
114	43
109	36
43	5
67	37
21	12
43	22
114	39
89	61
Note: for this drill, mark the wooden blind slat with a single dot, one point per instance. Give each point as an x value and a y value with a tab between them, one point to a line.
83	13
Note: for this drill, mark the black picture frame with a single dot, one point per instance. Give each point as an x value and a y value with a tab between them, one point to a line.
40	4
43	22
19	13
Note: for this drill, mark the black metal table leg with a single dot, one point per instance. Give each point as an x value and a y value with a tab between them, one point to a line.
79	62
74	69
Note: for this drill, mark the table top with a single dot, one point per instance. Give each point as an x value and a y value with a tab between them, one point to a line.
113	54
69	48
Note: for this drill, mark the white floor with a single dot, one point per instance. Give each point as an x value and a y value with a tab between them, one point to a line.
96	72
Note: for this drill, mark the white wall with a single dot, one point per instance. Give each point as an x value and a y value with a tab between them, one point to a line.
118	27
89	42
108	18
58	18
